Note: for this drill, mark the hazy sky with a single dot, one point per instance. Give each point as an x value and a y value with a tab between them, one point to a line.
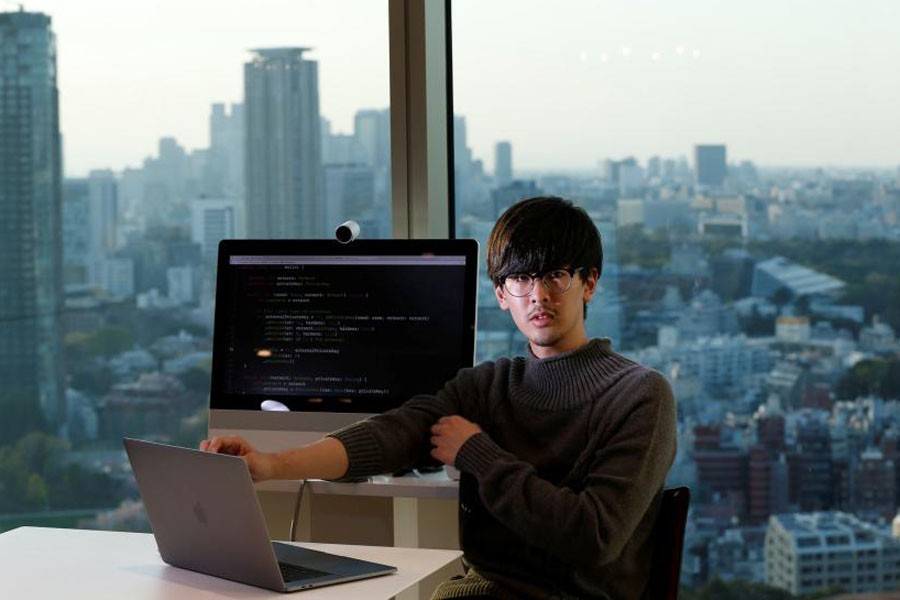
568	82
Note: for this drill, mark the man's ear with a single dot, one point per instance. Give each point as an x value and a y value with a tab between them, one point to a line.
590	284
501	297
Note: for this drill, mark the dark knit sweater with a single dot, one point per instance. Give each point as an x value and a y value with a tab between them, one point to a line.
559	493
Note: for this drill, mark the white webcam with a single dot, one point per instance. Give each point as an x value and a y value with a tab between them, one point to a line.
347	231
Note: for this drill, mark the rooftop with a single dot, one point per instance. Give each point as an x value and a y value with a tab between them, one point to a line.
802	281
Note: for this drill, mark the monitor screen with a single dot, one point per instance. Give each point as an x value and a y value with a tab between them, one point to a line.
321	326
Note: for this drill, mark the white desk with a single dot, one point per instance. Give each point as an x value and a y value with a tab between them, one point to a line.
101	564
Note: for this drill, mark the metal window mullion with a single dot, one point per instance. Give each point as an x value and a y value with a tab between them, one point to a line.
420	158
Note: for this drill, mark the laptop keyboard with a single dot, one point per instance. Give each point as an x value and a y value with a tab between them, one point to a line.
297	573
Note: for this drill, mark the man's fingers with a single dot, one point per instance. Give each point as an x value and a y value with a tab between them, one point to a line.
217	444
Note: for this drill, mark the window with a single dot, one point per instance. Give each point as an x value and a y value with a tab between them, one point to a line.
740	163
184	123
726	153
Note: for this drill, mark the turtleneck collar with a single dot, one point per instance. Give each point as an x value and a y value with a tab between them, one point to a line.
567	380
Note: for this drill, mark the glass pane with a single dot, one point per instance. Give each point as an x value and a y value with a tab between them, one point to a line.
135	136
741	163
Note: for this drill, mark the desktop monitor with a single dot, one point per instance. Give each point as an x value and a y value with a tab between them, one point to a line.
312	335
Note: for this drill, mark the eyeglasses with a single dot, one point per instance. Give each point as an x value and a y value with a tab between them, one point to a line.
556	281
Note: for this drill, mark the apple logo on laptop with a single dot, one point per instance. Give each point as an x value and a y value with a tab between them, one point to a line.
200	513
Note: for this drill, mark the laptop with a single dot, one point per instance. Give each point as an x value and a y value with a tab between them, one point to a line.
205	516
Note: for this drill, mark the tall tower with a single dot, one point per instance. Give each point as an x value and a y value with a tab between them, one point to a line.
711	165
503	171
283	145
104	199
226	147
31	218
372	129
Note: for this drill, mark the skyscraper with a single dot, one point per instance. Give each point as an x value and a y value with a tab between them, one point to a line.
104	208
503	171
212	220
226	149
30	218
372	130
711	166
283	145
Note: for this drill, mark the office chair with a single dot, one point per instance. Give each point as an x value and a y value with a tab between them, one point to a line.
668	535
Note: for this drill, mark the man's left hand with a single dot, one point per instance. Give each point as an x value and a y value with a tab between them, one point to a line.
448	435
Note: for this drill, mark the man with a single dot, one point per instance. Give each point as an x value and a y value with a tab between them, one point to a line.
562	453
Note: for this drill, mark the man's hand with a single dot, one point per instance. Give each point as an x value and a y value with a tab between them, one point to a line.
261	464
448	435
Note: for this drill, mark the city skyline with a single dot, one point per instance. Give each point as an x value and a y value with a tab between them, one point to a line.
804	85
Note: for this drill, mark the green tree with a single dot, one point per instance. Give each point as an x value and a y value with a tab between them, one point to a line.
648	250
20	412
15	480
735	590
755	324
110	340
196	379
825	593
73	486
105	341
35	475
36	495
91	378
38	450
781	297
872	376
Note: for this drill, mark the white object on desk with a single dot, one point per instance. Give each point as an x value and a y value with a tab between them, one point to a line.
37	562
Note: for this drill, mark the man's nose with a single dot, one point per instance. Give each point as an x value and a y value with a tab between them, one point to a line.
539	293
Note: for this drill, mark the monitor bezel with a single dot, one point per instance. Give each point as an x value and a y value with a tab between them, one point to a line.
260	419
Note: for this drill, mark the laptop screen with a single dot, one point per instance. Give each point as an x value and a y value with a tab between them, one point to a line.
316	325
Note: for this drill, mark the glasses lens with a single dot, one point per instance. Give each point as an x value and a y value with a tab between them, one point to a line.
519	284
557	281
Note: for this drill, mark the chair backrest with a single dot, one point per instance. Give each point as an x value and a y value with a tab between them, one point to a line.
668	536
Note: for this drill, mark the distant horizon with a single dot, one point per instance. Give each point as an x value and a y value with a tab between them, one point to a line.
622	79
585	171
579	170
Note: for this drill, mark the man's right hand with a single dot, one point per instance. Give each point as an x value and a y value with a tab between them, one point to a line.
261	464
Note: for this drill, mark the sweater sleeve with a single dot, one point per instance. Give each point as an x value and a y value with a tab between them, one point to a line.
587	522
399	438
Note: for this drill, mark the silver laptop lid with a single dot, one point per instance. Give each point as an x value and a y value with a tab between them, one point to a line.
206	517
204	512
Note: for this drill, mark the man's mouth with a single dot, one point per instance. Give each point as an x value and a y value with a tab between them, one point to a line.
541	317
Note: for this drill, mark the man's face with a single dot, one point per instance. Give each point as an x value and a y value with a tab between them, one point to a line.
552	322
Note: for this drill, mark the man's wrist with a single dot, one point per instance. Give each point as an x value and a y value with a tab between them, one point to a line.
478	453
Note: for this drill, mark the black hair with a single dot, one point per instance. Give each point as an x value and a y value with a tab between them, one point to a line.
543	233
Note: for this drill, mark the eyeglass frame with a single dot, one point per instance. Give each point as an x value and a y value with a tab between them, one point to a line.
540	277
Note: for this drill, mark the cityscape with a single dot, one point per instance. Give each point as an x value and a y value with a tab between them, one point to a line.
768	296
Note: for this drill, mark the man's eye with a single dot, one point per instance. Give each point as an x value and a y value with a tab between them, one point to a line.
521	278
559	274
